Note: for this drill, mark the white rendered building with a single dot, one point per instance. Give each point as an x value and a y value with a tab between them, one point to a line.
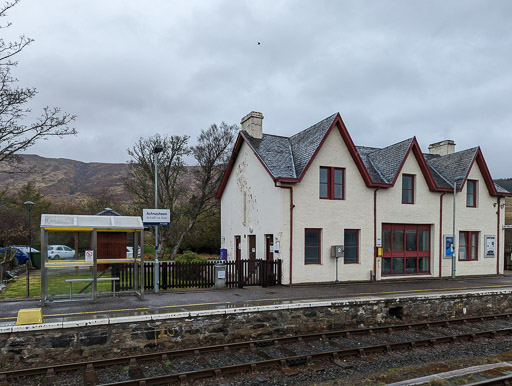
390	208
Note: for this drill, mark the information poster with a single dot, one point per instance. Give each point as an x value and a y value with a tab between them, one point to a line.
490	246
448	246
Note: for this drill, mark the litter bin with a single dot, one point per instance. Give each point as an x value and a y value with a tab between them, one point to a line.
220	275
35	257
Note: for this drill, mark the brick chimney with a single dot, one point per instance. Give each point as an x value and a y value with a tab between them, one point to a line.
442	148
252	123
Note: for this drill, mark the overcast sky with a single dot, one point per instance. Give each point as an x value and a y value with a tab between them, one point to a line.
392	69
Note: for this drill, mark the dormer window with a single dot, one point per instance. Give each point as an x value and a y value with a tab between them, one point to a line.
407	189
332	183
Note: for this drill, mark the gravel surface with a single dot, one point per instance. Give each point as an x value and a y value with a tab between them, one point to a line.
370	369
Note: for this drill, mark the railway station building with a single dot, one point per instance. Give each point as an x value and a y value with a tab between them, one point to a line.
391	209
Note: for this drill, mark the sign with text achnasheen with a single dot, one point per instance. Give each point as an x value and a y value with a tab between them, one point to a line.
156	216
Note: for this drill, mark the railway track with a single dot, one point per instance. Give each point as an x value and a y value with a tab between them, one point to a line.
290	354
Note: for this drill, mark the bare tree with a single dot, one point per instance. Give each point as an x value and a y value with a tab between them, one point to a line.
15	134
188	192
211	153
171	171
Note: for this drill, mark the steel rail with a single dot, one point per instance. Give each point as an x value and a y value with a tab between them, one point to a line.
333	355
274	341
505	380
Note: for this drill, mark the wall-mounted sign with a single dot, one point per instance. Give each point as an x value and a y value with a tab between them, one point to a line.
156	216
448	246
276	247
89	255
490	246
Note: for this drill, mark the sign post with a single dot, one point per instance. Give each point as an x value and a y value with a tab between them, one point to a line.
156	217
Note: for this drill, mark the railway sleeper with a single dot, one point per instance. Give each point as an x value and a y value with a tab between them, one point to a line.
286	369
90	375
314	366
338	362
50	377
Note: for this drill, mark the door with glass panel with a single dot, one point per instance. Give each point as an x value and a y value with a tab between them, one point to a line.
406	249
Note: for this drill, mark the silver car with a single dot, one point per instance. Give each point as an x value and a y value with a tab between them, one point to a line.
60	252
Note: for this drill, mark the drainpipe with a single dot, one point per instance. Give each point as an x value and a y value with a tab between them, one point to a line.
375	233
292	205
498	241
441	246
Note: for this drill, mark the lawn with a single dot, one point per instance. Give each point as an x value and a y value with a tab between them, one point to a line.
57	285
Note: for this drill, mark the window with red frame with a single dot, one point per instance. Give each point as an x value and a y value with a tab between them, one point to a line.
406	249
407	189
471	193
312	246
332	183
351	246
468	246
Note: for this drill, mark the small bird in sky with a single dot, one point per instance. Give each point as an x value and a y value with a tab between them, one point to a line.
259	43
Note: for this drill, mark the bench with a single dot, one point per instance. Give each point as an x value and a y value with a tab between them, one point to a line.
71	281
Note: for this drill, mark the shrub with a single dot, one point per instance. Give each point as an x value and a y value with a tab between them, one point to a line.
190	257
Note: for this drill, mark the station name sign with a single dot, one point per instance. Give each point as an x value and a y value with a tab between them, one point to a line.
156	216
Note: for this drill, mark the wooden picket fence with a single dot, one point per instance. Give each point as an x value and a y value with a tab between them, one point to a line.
174	275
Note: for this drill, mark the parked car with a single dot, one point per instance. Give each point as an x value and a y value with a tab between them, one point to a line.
129	252
60	252
21	257
25	248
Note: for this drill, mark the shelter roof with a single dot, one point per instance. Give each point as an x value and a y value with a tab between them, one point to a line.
72	221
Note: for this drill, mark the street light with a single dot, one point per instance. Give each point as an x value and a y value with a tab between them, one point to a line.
460	178
29	205
157	149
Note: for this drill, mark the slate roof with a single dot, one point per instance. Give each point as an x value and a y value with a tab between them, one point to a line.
288	157
452	166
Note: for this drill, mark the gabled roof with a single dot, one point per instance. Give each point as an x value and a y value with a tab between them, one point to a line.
288	159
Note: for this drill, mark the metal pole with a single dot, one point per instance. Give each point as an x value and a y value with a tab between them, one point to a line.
454	243
156	271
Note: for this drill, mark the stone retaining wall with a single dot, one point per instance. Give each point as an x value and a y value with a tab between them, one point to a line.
36	345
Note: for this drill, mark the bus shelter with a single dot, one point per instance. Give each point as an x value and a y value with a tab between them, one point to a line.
84	256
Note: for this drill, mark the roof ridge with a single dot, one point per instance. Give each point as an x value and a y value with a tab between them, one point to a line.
313	125
394	144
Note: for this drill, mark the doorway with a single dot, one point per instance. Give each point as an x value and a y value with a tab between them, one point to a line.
269	247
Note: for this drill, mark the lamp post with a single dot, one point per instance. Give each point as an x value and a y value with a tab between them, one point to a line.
29	205
454	254
157	149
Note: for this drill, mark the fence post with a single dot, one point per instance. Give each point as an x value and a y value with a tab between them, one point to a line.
239	268
163	283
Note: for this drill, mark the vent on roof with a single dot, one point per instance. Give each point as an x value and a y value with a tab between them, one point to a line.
442	148
252	123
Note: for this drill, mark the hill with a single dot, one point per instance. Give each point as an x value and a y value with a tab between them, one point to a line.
68	180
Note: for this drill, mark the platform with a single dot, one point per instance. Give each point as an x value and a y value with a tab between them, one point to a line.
180	301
